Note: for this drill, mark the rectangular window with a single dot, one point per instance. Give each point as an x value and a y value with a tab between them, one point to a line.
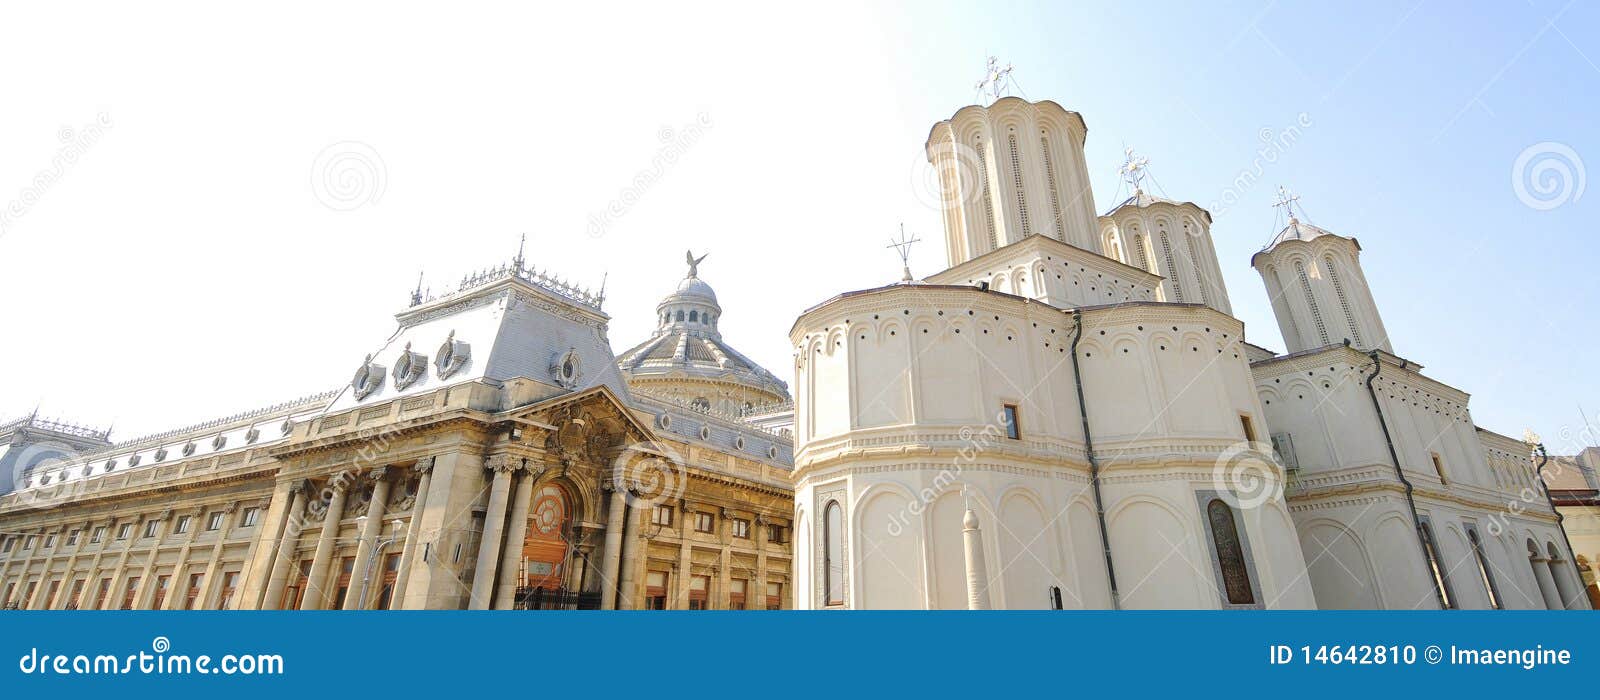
736	593
655	590
49	540
662	516
5	548
193	592
250	516
104	590
50	594
230	583
391	574
161	592
774	596
125	531
77	595
1008	420
72	538
129	591
98	536
1249	427
741	528
214	521
150	527
182	526
27	544
776	534
704	522
699	592
347	567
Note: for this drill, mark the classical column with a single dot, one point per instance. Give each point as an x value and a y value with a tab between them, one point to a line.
316	593
366	543
68	576
283	554
146	586
263	548
1560	571
762	534
725	563
408	547
180	570
516	531
685	560
42	597
977	572
1547	583
208	583
493	526
631	541
611	556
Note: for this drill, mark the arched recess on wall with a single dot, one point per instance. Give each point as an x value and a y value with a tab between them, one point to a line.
888	549
1028	551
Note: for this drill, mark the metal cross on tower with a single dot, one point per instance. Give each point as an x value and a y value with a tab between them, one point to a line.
1132	170
1287	201
995	80
903	247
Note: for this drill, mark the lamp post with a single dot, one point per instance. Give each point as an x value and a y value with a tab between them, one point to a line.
366	576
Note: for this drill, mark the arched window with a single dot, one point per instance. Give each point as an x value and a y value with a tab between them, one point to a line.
833	553
1483	569
1230	554
694	316
680	315
1441	578
1344	302
1311	301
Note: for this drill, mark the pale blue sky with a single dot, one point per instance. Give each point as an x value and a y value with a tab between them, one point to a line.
182	268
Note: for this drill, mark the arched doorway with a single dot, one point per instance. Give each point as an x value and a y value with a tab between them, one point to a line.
547	552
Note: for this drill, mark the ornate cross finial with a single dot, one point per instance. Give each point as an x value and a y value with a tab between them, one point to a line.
1287	201
517	262
903	247
1132	170
416	296
694	263
995	80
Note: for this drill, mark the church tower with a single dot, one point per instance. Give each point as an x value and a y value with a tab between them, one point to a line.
1171	239
1318	291
1012	170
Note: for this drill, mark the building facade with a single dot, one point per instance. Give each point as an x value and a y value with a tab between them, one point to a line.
488	455
1069	417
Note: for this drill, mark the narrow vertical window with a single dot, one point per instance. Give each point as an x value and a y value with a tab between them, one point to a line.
1311	301
988	202
1140	259
1344	302
1249	428
1438	467
1483	570
1441	578
1172	268
833	553
1230	554
1008	417
1016	179
1050	179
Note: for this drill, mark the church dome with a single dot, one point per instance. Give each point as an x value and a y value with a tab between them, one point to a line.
687	359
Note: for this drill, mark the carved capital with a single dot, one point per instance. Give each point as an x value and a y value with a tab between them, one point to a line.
165	514
380	474
424	465
501	463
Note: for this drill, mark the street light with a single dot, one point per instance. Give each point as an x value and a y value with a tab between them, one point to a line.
366	576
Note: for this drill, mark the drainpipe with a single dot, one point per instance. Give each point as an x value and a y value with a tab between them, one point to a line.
1094	464
1544	457
1416	520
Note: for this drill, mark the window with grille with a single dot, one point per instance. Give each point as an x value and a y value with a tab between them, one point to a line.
1172	268
1016	180
988	202
1311	301
1344	302
1230	554
1050	179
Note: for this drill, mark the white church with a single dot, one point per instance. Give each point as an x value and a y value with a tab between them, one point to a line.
1069	416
